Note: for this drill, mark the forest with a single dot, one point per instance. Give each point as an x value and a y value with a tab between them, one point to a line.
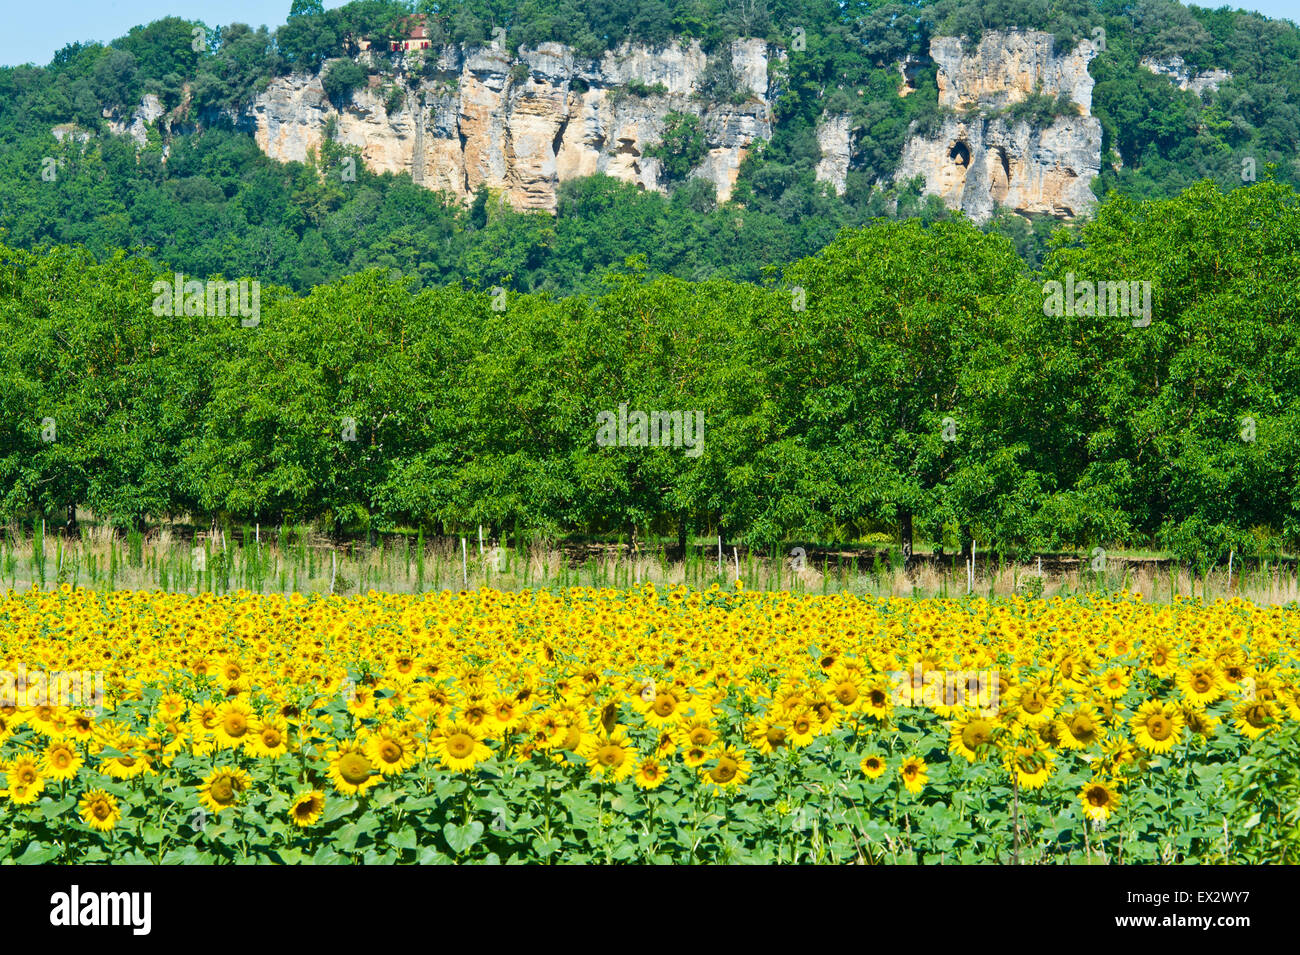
909	377
205	201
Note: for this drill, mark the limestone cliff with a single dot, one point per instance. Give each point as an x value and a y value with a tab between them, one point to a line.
481	117
149	111
835	140
980	158
456	119
1182	76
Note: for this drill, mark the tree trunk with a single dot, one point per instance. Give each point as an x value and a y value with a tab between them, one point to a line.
681	537
905	532
71	524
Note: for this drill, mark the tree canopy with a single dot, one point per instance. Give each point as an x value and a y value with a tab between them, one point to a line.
907	372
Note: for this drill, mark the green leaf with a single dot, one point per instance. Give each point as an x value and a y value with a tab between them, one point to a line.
462	838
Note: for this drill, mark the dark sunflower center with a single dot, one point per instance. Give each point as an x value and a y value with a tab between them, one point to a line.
222	791
725	771
460	745
354	768
976	734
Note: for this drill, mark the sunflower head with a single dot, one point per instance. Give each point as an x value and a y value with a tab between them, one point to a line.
307	808
872	766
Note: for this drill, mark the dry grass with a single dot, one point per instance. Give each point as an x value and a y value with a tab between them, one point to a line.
313	564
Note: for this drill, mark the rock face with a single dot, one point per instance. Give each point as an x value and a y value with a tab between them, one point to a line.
70	131
979	164
456	119
1182	76
980	159
480	117
1008	67
148	111
834	138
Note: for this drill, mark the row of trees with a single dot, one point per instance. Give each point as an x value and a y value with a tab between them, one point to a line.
907	376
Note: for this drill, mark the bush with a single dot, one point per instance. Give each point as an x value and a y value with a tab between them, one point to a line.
341	79
394	99
681	147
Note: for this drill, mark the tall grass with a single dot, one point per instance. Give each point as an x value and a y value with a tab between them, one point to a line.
296	559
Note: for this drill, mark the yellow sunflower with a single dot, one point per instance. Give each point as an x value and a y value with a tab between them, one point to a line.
968	735
125	765
1113	684
236	724
1035	702
915	774
873	765
459	746
696	732
391	751
1080	728
767	735
1200	684
61	761
1157	727
270	739
223	787
728	768
99	810
650	774
351	770
803	727
610	754
1099	799
1254	718
1198	721
307	809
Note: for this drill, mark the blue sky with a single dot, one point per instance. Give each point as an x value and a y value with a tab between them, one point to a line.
35	30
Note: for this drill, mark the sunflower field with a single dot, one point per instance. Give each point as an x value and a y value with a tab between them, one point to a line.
647	725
